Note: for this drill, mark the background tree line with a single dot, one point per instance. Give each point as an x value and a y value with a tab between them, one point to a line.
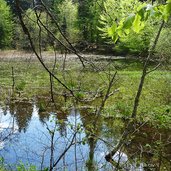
83	23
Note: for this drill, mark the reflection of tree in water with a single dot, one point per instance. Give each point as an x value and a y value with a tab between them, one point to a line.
93	127
46	108
22	112
12	108
4	109
62	118
43	116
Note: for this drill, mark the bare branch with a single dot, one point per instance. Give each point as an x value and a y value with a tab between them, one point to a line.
64	152
26	31
156	67
107	94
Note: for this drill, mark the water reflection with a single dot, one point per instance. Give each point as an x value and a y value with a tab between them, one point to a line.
25	127
22	111
93	126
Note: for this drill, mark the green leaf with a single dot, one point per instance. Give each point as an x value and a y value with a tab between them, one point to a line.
128	22
167	11
112	30
127	31
102	17
121	33
115	38
138	24
141	12
101	29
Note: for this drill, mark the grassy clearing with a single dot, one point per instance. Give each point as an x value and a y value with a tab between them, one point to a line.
155	99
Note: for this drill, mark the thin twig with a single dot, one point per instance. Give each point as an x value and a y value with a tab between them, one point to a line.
26	31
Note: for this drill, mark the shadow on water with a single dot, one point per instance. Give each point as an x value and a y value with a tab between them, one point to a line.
24	137
152	146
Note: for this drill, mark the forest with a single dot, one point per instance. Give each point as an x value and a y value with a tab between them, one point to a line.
85	85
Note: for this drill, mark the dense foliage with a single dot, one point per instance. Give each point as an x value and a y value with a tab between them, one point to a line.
89	21
6	24
130	89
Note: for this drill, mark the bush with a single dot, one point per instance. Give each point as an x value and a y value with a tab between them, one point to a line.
136	43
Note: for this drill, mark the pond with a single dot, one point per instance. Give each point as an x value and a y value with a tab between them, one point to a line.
80	141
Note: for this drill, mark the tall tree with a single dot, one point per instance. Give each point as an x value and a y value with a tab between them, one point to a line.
88	17
67	21
5	24
25	4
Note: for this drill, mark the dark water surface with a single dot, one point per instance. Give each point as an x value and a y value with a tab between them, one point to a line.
25	137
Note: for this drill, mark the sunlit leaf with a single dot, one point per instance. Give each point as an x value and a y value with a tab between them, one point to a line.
167	11
127	31
141	6
102	18
101	29
121	33
136	23
111	30
115	38
128	22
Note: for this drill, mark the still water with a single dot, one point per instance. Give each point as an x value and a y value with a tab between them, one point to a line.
26	136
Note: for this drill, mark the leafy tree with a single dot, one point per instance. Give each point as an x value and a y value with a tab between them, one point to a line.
128	42
162	51
137	21
6	24
56	4
68	12
25	4
88	18
38	33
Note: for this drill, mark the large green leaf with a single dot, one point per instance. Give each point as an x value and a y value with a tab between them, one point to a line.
167	11
129	21
136	23
112	30
120	32
142	12
115	37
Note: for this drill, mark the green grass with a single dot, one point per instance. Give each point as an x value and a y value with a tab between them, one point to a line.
32	80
